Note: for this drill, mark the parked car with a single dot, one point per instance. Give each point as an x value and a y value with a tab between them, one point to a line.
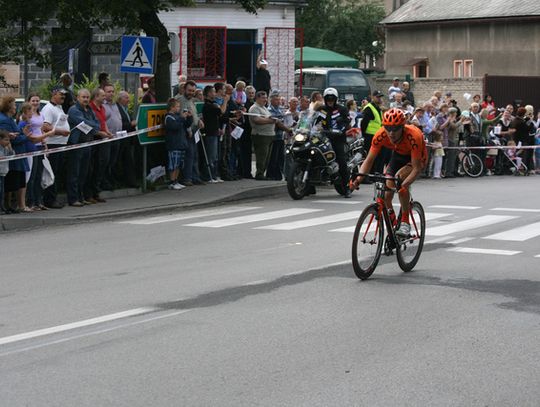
350	83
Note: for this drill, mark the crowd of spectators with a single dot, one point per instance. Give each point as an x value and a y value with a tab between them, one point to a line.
66	119
233	122
446	126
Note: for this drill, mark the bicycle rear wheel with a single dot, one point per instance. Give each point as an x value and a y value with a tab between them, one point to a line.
367	242
409	249
472	165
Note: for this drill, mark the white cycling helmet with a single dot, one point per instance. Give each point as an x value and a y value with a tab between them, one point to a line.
330	92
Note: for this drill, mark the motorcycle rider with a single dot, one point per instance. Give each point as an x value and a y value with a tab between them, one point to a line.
333	116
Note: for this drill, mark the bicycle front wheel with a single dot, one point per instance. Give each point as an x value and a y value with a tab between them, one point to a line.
409	248
472	165
367	242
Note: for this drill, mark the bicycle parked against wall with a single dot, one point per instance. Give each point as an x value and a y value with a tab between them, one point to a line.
469	163
369	235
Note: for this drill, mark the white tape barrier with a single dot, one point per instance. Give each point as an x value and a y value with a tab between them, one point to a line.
119	136
486	147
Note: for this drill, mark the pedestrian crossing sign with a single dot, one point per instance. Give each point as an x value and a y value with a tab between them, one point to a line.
138	54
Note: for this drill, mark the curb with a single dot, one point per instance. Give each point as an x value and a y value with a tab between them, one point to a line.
8	223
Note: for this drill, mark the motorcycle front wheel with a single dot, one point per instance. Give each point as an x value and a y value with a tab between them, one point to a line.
339	186
295	186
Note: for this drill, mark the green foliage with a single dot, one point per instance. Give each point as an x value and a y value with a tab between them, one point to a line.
93	83
45	89
348	27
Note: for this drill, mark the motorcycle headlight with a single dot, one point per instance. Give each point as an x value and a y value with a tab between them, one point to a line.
300	138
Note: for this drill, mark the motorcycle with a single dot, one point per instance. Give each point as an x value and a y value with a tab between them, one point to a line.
314	161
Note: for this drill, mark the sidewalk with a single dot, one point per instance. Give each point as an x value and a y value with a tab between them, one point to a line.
129	202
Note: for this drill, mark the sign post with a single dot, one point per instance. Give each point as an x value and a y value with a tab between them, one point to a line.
138	55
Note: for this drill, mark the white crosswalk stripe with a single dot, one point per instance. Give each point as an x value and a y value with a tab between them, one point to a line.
339	202
515	210
189	215
429	216
468	224
519	234
239	220
454	207
304	223
474	250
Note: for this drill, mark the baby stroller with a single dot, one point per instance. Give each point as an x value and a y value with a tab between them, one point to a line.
512	161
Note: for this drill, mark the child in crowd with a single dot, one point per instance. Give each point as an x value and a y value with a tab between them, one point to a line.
239	95
5	150
176	125
33	143
438	154
513	153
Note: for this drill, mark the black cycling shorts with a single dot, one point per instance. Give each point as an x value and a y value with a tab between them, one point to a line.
397	162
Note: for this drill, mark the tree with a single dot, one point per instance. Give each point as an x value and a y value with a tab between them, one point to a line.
80	15
348	27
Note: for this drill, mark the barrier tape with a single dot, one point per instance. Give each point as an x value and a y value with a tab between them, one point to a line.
486	147
77	146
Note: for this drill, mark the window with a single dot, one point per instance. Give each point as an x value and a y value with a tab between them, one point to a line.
468	68
206	55
346	79
421	70
458	69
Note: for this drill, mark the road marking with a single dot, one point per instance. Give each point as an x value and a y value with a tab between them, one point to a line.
305	223
515	210
75	325
341	201
454	207
190	215
519	234
429	216
537	256
98	332
438	239
239	220
256	282
468	224
463	240
483	251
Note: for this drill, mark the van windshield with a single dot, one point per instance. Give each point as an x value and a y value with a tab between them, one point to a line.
342	79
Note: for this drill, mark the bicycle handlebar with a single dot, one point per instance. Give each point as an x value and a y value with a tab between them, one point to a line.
384	178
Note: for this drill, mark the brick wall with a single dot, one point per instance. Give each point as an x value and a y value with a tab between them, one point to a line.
423	88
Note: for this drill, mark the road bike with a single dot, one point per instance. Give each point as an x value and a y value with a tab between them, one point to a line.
469	163
369	234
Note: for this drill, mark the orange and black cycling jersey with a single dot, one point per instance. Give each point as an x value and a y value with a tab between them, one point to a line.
411	144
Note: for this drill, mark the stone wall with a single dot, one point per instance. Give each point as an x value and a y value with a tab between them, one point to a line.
423	88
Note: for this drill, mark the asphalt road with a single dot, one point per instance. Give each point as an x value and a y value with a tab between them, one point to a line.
256	304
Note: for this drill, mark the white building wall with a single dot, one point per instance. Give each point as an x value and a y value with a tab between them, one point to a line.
232	17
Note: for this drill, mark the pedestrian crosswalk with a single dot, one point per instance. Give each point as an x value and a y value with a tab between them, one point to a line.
454	226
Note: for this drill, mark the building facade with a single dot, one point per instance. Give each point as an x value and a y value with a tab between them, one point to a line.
219	41
429	39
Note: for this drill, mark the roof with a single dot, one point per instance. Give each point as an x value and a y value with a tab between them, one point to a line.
312	57
294	3
415	11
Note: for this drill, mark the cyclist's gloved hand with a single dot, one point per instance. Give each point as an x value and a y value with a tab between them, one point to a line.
354	183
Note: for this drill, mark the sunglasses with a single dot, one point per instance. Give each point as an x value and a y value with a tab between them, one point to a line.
392	128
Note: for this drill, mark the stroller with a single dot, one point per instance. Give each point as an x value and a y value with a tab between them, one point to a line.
505	161
514	161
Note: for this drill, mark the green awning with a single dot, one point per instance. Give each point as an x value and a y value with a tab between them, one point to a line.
313	57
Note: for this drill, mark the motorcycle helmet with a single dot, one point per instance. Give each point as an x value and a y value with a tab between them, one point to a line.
330	92
393	117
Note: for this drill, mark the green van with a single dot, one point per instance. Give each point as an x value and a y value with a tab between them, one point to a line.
350	83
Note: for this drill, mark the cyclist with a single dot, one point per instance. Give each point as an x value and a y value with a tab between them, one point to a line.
333	116
409	157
